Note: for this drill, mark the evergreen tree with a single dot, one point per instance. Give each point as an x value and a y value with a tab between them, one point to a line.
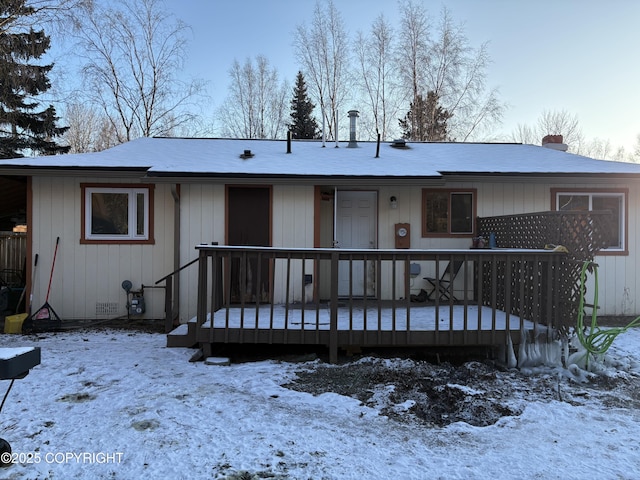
24	125
303	124
426	120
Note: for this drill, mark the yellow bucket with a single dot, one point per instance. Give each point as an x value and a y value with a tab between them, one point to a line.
13	323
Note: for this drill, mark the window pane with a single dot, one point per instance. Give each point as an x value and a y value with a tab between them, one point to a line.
437	206
614	204
140	214
573	202
461	213
109	213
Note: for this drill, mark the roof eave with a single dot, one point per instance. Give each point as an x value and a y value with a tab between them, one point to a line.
73	171
189	177
552	178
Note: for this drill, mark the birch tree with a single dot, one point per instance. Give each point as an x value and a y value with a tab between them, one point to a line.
89	129
551	122
457	74
256	106
562	122
412	53
376	76
438	58
133	52
323	51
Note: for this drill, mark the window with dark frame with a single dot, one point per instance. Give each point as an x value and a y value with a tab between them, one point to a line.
448	212
613	201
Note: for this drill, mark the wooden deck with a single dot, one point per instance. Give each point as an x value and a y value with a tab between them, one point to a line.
418	326
262	295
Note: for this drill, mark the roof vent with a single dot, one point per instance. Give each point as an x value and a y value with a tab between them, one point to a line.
246	154
353	142
399	143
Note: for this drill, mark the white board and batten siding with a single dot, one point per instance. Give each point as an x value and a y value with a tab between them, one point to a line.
618	285
293	227
203	211
202	221
87	279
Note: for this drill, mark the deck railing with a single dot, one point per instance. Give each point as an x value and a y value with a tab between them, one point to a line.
346	298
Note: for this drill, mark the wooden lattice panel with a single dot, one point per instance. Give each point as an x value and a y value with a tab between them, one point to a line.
581	233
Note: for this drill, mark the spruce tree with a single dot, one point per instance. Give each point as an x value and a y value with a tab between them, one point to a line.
303	124
25	127
426	120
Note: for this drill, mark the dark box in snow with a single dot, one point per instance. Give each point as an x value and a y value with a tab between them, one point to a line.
16	362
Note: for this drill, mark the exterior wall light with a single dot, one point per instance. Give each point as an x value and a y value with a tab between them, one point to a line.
393	202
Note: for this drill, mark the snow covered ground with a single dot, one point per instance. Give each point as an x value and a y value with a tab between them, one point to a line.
115	404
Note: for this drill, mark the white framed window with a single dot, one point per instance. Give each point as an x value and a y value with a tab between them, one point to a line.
614	201
117	213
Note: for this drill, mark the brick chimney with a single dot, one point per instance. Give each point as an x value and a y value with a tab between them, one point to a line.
554	142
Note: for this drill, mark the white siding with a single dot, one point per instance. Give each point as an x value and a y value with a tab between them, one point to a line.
85	275
293	221
202	221
618	286
293	216
90	274
203	210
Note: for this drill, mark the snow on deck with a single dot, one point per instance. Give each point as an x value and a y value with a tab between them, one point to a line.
420	319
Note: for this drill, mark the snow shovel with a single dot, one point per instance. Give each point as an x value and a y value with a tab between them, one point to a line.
45	319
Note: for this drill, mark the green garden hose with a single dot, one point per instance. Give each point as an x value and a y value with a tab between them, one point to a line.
597	341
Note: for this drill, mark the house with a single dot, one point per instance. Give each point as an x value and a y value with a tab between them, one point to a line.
136	212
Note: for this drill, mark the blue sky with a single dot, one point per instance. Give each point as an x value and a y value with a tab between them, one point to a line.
575	55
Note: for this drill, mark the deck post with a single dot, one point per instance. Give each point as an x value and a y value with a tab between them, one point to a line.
201	314
333	323
168	305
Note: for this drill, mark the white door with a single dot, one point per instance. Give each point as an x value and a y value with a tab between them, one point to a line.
356	227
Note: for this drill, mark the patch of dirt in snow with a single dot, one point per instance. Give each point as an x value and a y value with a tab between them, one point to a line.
477	393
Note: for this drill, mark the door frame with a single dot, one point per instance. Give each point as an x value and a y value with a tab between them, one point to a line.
325	200
269	188
369	286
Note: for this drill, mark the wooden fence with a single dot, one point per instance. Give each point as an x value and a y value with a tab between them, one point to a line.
13	254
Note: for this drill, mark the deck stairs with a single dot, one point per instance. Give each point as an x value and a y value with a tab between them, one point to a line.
183	335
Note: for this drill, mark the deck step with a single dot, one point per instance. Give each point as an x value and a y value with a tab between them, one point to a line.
220	361
182	336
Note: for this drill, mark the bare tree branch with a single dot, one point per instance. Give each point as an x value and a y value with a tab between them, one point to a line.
133	52
375	60
322	50
413	52
457	74
256	104
89	130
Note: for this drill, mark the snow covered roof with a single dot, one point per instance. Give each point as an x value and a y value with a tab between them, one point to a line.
179	157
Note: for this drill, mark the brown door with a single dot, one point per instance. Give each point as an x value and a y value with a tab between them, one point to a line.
249	223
